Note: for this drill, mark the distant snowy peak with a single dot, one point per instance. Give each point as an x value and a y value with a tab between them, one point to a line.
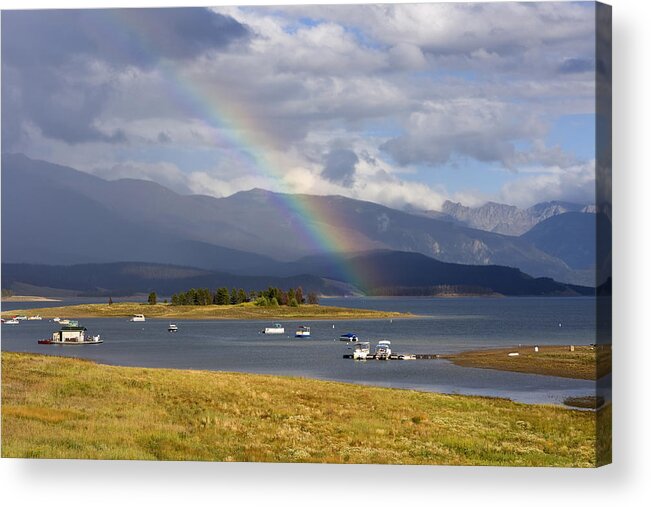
507	219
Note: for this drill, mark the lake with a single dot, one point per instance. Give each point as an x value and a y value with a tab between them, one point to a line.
443	326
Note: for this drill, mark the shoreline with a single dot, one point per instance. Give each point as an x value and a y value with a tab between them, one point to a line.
244	311
27	299
203	414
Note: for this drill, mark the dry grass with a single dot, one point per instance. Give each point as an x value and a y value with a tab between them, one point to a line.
585	362
57	407
244	311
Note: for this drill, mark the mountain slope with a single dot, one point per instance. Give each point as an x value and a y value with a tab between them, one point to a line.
128	278
54	214
506	219
571	237
374	272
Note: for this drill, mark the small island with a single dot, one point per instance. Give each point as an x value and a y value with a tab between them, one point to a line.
242	311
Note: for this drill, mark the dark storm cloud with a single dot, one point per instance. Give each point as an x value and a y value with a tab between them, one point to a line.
136	37
340	166
47	57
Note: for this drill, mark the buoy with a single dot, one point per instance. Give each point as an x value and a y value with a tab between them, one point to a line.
560	325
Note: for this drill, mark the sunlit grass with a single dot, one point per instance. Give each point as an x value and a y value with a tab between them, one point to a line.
244	311
69	408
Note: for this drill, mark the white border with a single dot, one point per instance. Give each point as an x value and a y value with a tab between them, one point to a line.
105	483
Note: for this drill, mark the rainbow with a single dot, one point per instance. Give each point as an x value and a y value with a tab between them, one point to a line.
318	226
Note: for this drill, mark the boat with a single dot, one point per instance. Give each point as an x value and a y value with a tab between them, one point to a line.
138	317
348	337
56	319
303	332
64	322
35	317
383	349
71	334
361	350
20	317
172	328
275	329
12	321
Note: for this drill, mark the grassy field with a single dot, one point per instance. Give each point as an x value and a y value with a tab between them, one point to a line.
69	408
244	311
584	362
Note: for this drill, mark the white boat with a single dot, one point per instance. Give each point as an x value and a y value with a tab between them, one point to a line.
348	337
275	329
20	317
172	328
383	349
361	350
35	317
138	317
303	332
71	334
64	322
56	319
12	321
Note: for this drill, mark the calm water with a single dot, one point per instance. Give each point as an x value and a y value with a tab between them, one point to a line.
446	325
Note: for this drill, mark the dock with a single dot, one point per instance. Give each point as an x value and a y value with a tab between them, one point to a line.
399	357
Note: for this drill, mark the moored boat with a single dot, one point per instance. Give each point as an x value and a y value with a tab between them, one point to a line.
138	317
383	349
35	317
361	350
20	317
348	337
172	328
71	334
275	329
303	332
12	321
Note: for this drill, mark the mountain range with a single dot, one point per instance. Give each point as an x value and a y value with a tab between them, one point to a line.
56	215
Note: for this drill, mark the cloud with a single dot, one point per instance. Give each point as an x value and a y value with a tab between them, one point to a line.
60	66
573	184
481	129
340	166
262	96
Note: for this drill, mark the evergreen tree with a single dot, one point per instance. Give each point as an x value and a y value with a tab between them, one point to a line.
152	298
299	296
223	297
233	299
241	296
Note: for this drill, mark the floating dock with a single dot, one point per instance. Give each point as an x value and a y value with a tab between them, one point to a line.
399	357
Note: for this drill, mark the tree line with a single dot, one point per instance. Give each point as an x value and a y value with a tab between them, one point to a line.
273	296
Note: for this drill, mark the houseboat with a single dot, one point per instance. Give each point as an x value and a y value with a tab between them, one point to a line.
138	317
71	334
383	349
361	350
172	328
275	329
303	332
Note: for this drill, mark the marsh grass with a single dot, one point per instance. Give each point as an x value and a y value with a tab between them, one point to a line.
244	311
57	407
585	362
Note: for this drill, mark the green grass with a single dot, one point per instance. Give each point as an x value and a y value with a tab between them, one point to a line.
57	407
244	311
584	362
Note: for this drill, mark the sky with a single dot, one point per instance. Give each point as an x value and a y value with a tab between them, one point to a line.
406	105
